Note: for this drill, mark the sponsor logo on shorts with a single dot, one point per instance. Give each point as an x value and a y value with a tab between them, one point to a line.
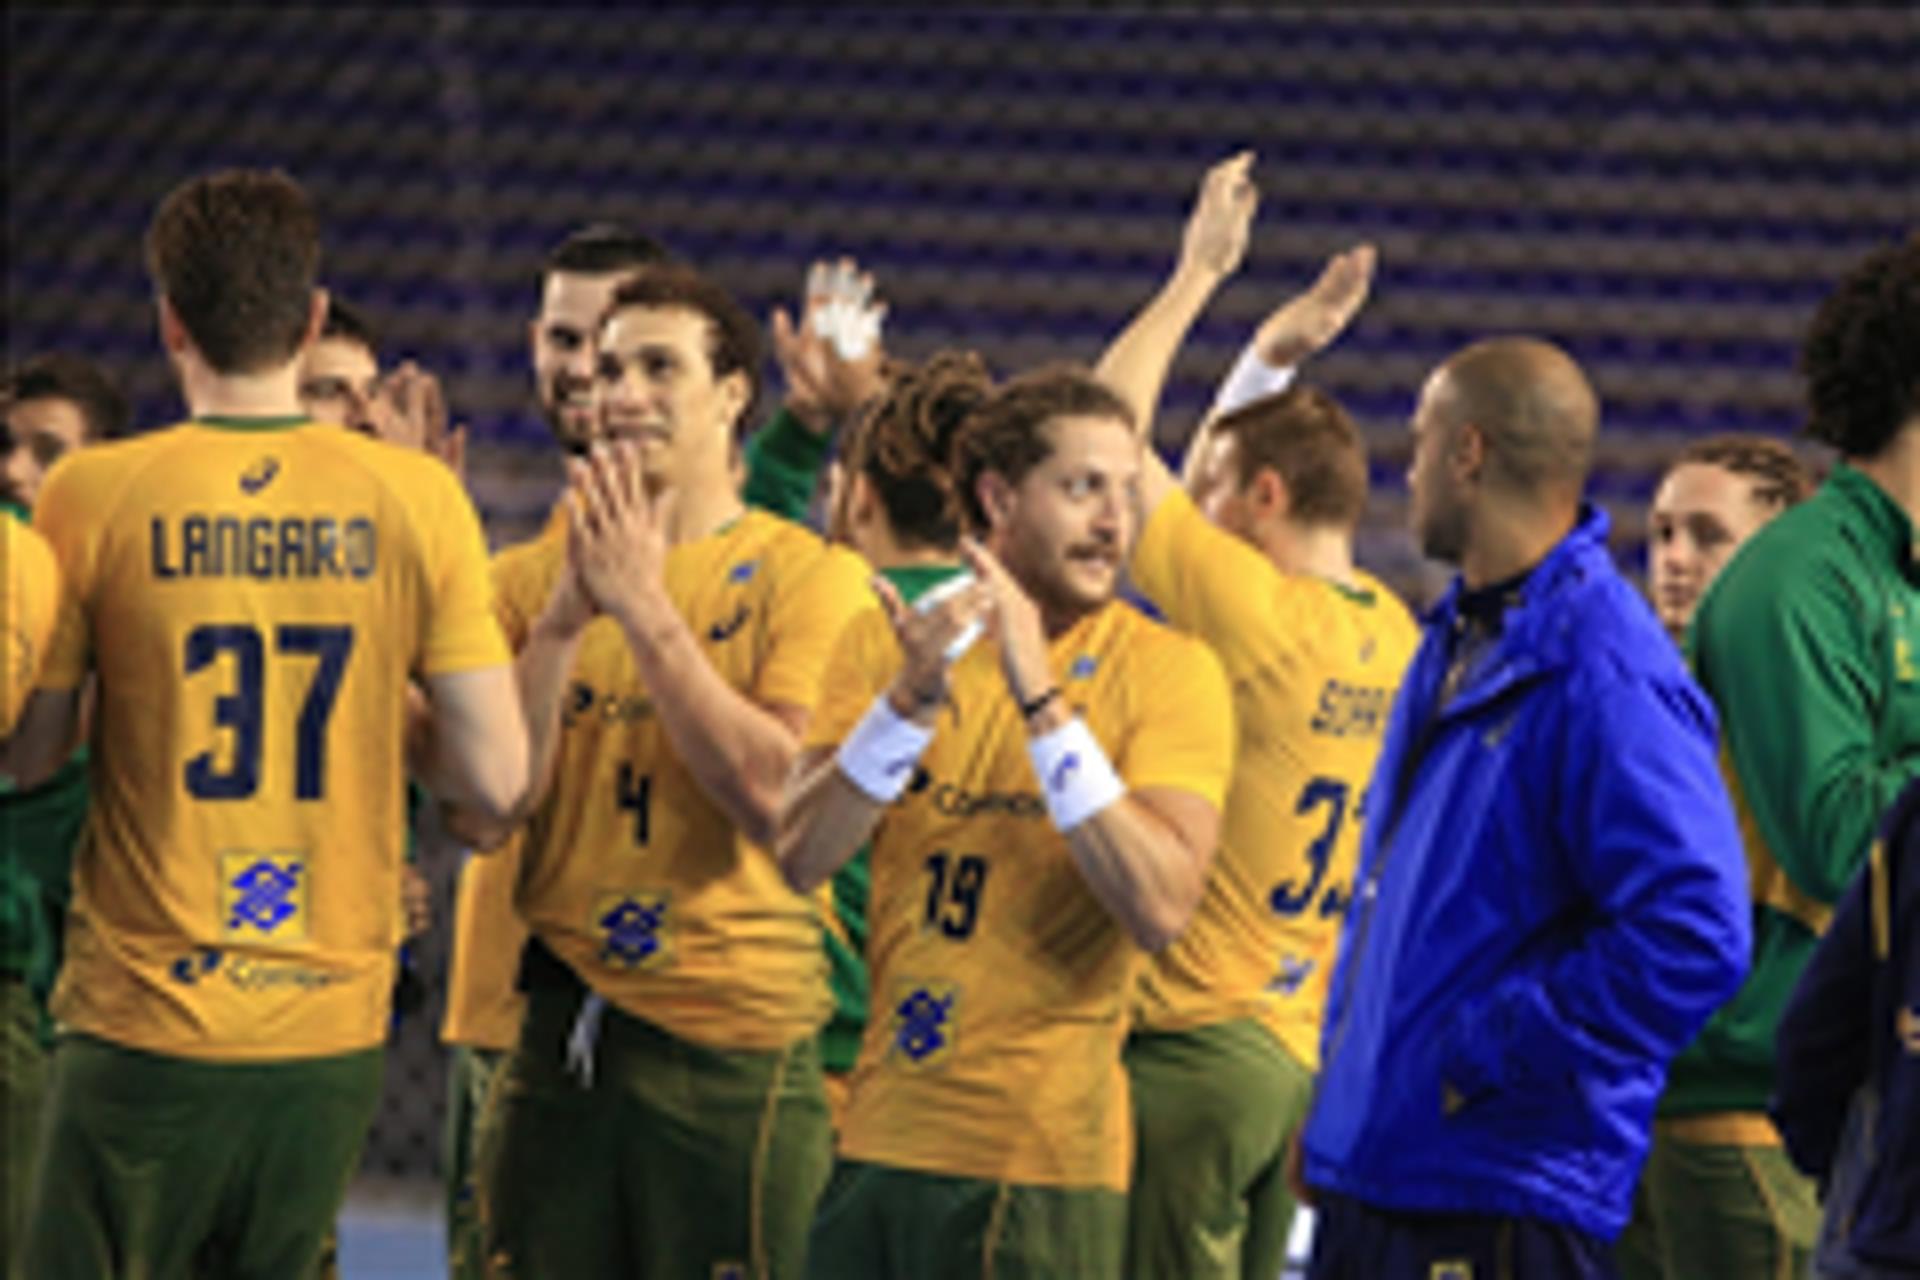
263	895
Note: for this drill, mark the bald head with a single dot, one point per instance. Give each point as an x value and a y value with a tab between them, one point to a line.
1534	408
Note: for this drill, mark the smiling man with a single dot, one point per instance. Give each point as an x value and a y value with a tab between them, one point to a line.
1042	809
663	1111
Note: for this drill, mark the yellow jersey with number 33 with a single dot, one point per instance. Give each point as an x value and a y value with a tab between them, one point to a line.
1001	986
629	873
254	597
1314	669
27	613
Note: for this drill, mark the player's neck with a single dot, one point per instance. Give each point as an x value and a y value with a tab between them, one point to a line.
701	509
1316	551
273	394
1896	469
884	551
1505	542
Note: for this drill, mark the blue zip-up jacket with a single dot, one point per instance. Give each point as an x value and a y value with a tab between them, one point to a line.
1551	901
1853	1028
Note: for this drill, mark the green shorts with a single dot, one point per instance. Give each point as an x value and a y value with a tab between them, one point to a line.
168	1167
23	1088
677	1160
1719	1209
882	1223
471	1124
1214	1109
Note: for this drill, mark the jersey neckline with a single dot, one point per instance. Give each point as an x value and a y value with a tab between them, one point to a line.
246	422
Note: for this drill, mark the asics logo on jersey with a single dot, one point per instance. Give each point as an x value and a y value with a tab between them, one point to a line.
259	475
923	1017
189	969
724	630
1064	770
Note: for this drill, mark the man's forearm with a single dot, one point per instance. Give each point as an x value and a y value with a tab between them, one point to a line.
1139	870
823	823
738	752
541	672
1135	365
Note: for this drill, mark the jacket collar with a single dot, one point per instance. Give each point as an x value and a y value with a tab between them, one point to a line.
1536	624
1887	523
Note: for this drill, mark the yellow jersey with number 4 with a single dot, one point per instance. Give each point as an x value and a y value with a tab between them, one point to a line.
1001	986
26	615
629	873
254	597
1314	668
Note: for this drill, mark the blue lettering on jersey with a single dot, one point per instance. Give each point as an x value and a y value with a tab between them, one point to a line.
263	548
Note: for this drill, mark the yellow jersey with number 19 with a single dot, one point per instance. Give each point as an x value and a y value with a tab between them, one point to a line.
26	614
1314	669
630	874
254	597
1001	985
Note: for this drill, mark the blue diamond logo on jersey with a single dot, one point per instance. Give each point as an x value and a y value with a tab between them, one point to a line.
263	894
259	475
632	929
1083	667
743	572
922	1021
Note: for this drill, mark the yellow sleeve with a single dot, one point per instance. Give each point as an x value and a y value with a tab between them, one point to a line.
71	512
515	584
1206	580
30	610
862	663
461	632
807	616
1185	734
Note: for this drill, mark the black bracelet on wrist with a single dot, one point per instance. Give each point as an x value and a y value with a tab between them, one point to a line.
1034	706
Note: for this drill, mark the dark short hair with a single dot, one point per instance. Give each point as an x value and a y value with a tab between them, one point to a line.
1007	433
903	445
236	254
1305	437
63	376
344	320
1861	357
733	339
1778	476
603	248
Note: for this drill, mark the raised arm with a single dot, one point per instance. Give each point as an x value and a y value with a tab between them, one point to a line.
1215	241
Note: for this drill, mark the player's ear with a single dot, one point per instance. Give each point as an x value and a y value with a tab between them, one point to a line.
173	331
996	497
1271	498
316	317
1469	451
735	391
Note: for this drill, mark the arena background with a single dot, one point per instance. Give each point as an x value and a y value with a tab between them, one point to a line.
1668	192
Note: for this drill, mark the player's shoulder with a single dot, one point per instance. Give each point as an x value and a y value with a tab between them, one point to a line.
1143	644
26	554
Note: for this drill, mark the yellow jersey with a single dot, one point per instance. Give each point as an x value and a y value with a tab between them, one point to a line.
1314	668
484	1002
1001	985
630	874
254	597
32	602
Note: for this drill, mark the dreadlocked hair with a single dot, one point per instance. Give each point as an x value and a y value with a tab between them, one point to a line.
904	443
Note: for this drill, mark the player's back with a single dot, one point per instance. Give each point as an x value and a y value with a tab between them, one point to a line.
253	601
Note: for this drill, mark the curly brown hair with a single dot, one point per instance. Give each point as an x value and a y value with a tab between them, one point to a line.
1859	357
903	445
236	254
1007	433
1779	477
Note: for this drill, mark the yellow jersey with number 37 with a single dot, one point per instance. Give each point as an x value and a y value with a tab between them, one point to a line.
26	614
1001	985
630	874
254	597
1314	668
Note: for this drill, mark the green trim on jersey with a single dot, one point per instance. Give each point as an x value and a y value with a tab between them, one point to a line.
244	422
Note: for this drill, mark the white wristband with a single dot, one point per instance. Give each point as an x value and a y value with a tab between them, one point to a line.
879	755
1075	775
1252	379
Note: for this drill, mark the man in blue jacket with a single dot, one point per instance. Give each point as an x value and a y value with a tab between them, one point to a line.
1551	896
